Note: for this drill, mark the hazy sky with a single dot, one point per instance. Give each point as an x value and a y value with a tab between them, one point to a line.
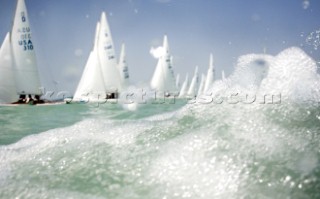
63	32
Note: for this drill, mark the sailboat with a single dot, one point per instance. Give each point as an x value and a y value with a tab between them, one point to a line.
210	75
193	89
101	78
19	71
163	80
123	68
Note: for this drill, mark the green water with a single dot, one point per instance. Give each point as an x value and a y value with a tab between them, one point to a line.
19	121
187	151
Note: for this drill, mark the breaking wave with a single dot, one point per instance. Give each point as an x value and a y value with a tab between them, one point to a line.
213	150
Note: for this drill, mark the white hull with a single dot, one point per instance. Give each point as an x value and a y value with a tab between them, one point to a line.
43	104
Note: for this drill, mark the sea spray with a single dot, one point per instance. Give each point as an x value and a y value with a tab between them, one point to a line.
225	150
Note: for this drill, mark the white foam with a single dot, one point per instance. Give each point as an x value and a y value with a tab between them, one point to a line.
291	74
191	167
200	151
292	71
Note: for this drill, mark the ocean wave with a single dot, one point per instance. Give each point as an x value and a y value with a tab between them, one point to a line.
227	150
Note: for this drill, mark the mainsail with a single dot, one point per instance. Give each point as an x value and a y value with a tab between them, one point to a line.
24	59
178	81
107	57
184	87
210	75
123	68
201	87
192	92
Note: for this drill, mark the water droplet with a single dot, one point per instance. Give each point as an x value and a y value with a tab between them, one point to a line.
313	39
305	4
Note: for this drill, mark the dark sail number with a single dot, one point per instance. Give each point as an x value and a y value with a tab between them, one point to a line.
27	45
23	17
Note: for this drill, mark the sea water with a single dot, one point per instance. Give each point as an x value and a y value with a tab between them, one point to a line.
227	147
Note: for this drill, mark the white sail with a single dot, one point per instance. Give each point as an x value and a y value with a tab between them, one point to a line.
169	73
223	76
178	81
96	38
8	92
202	84
24	58
163	79
193	89
184	87
91	85
123	68
172	78
210	75
157	78
107	57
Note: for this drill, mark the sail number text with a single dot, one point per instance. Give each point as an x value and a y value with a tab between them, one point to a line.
27	44
25	36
